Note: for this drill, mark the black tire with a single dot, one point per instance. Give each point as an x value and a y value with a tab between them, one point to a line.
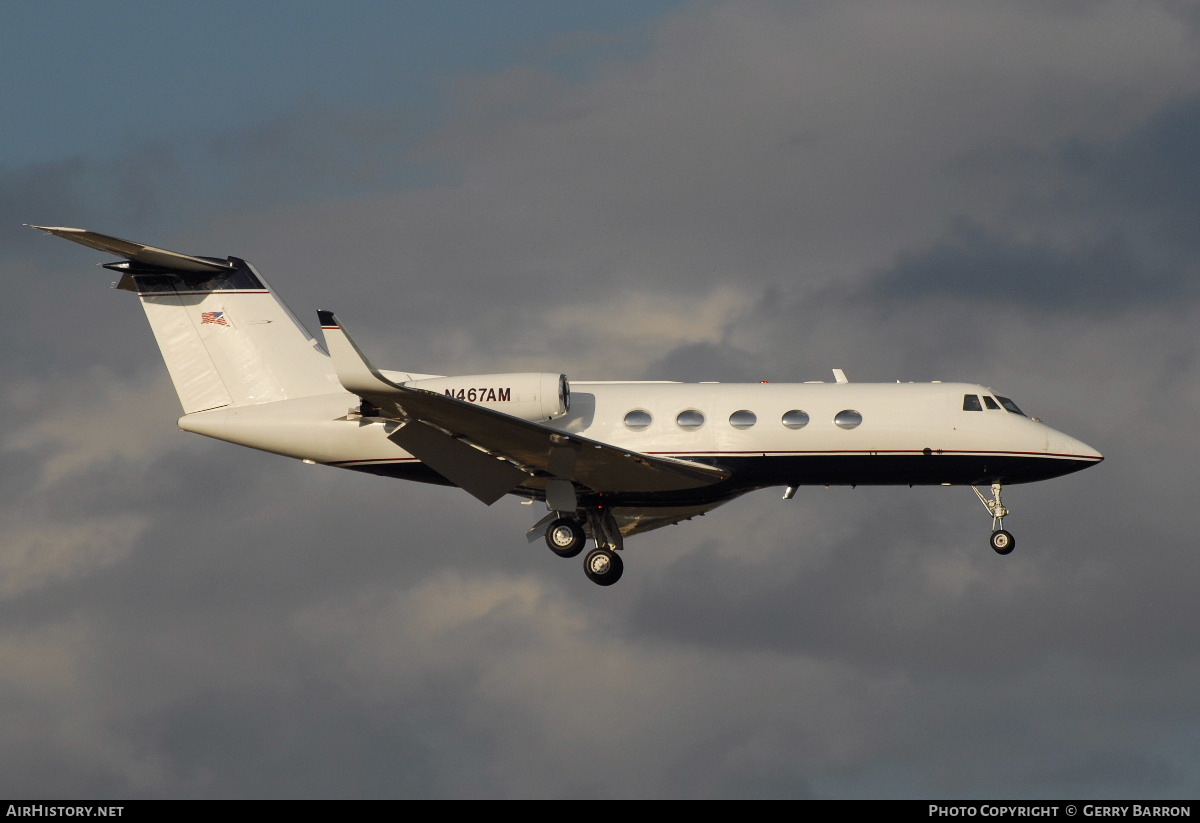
1003	542
603	567
565	537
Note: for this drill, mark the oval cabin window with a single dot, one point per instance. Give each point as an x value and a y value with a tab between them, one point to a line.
743	419
638	419
690	420
795	419
847	419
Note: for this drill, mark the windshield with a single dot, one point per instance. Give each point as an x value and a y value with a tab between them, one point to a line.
1010	405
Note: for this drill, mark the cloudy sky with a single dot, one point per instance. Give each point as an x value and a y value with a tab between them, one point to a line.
999	192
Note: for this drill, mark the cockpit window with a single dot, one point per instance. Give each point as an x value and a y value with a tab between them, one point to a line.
1010	405
990	403
971	403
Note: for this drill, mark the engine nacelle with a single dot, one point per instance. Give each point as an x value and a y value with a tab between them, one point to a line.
530	395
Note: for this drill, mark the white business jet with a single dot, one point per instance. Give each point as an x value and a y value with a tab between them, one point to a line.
609	459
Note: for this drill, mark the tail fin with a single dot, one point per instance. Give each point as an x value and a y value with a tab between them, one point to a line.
226	338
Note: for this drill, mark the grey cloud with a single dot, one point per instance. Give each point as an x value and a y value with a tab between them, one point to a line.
1145	183
697	362
284	630
1105	272
47	191
1115	227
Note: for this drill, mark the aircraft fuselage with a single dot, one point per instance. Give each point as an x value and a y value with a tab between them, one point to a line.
909	434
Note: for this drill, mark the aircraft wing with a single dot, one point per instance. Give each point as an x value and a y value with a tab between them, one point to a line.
490	453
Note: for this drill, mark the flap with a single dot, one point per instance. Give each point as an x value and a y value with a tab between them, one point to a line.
486	477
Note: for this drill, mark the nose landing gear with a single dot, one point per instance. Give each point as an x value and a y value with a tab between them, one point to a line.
1002	541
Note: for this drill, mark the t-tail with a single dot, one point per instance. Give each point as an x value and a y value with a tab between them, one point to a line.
227	339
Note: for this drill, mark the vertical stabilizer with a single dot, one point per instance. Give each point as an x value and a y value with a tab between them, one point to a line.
226	338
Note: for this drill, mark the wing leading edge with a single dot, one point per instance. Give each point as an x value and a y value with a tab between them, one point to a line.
489	453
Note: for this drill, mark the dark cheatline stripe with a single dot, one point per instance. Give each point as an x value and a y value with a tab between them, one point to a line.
848	452
804	469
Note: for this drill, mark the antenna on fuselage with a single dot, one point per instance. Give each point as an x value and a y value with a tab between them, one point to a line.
839	376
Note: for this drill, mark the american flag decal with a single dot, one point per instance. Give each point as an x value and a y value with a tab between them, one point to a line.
217	317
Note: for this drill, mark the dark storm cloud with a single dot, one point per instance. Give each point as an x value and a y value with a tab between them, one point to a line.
1147	183
707	361
104	193
147	194
37	192
1132	204
232	165
973	262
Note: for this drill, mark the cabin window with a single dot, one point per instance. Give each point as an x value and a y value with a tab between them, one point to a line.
990	403
743	419
847	419
638	419
795	419
971	403
689	420
1009	405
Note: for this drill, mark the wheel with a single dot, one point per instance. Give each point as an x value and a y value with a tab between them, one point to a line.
1003	542
565	537
603	567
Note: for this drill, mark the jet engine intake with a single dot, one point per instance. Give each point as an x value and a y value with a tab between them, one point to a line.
529	395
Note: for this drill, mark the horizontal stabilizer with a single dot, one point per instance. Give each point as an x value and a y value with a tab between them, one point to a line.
539	450
136	252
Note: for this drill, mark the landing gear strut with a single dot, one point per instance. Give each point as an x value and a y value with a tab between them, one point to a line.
566	534
602	565
1002	541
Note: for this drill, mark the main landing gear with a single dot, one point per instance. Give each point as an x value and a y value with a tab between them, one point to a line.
567	535
603	567
1002	541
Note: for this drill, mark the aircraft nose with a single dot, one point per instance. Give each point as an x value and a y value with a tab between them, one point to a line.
1069	446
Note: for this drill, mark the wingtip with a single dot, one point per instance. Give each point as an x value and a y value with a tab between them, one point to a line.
52	229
